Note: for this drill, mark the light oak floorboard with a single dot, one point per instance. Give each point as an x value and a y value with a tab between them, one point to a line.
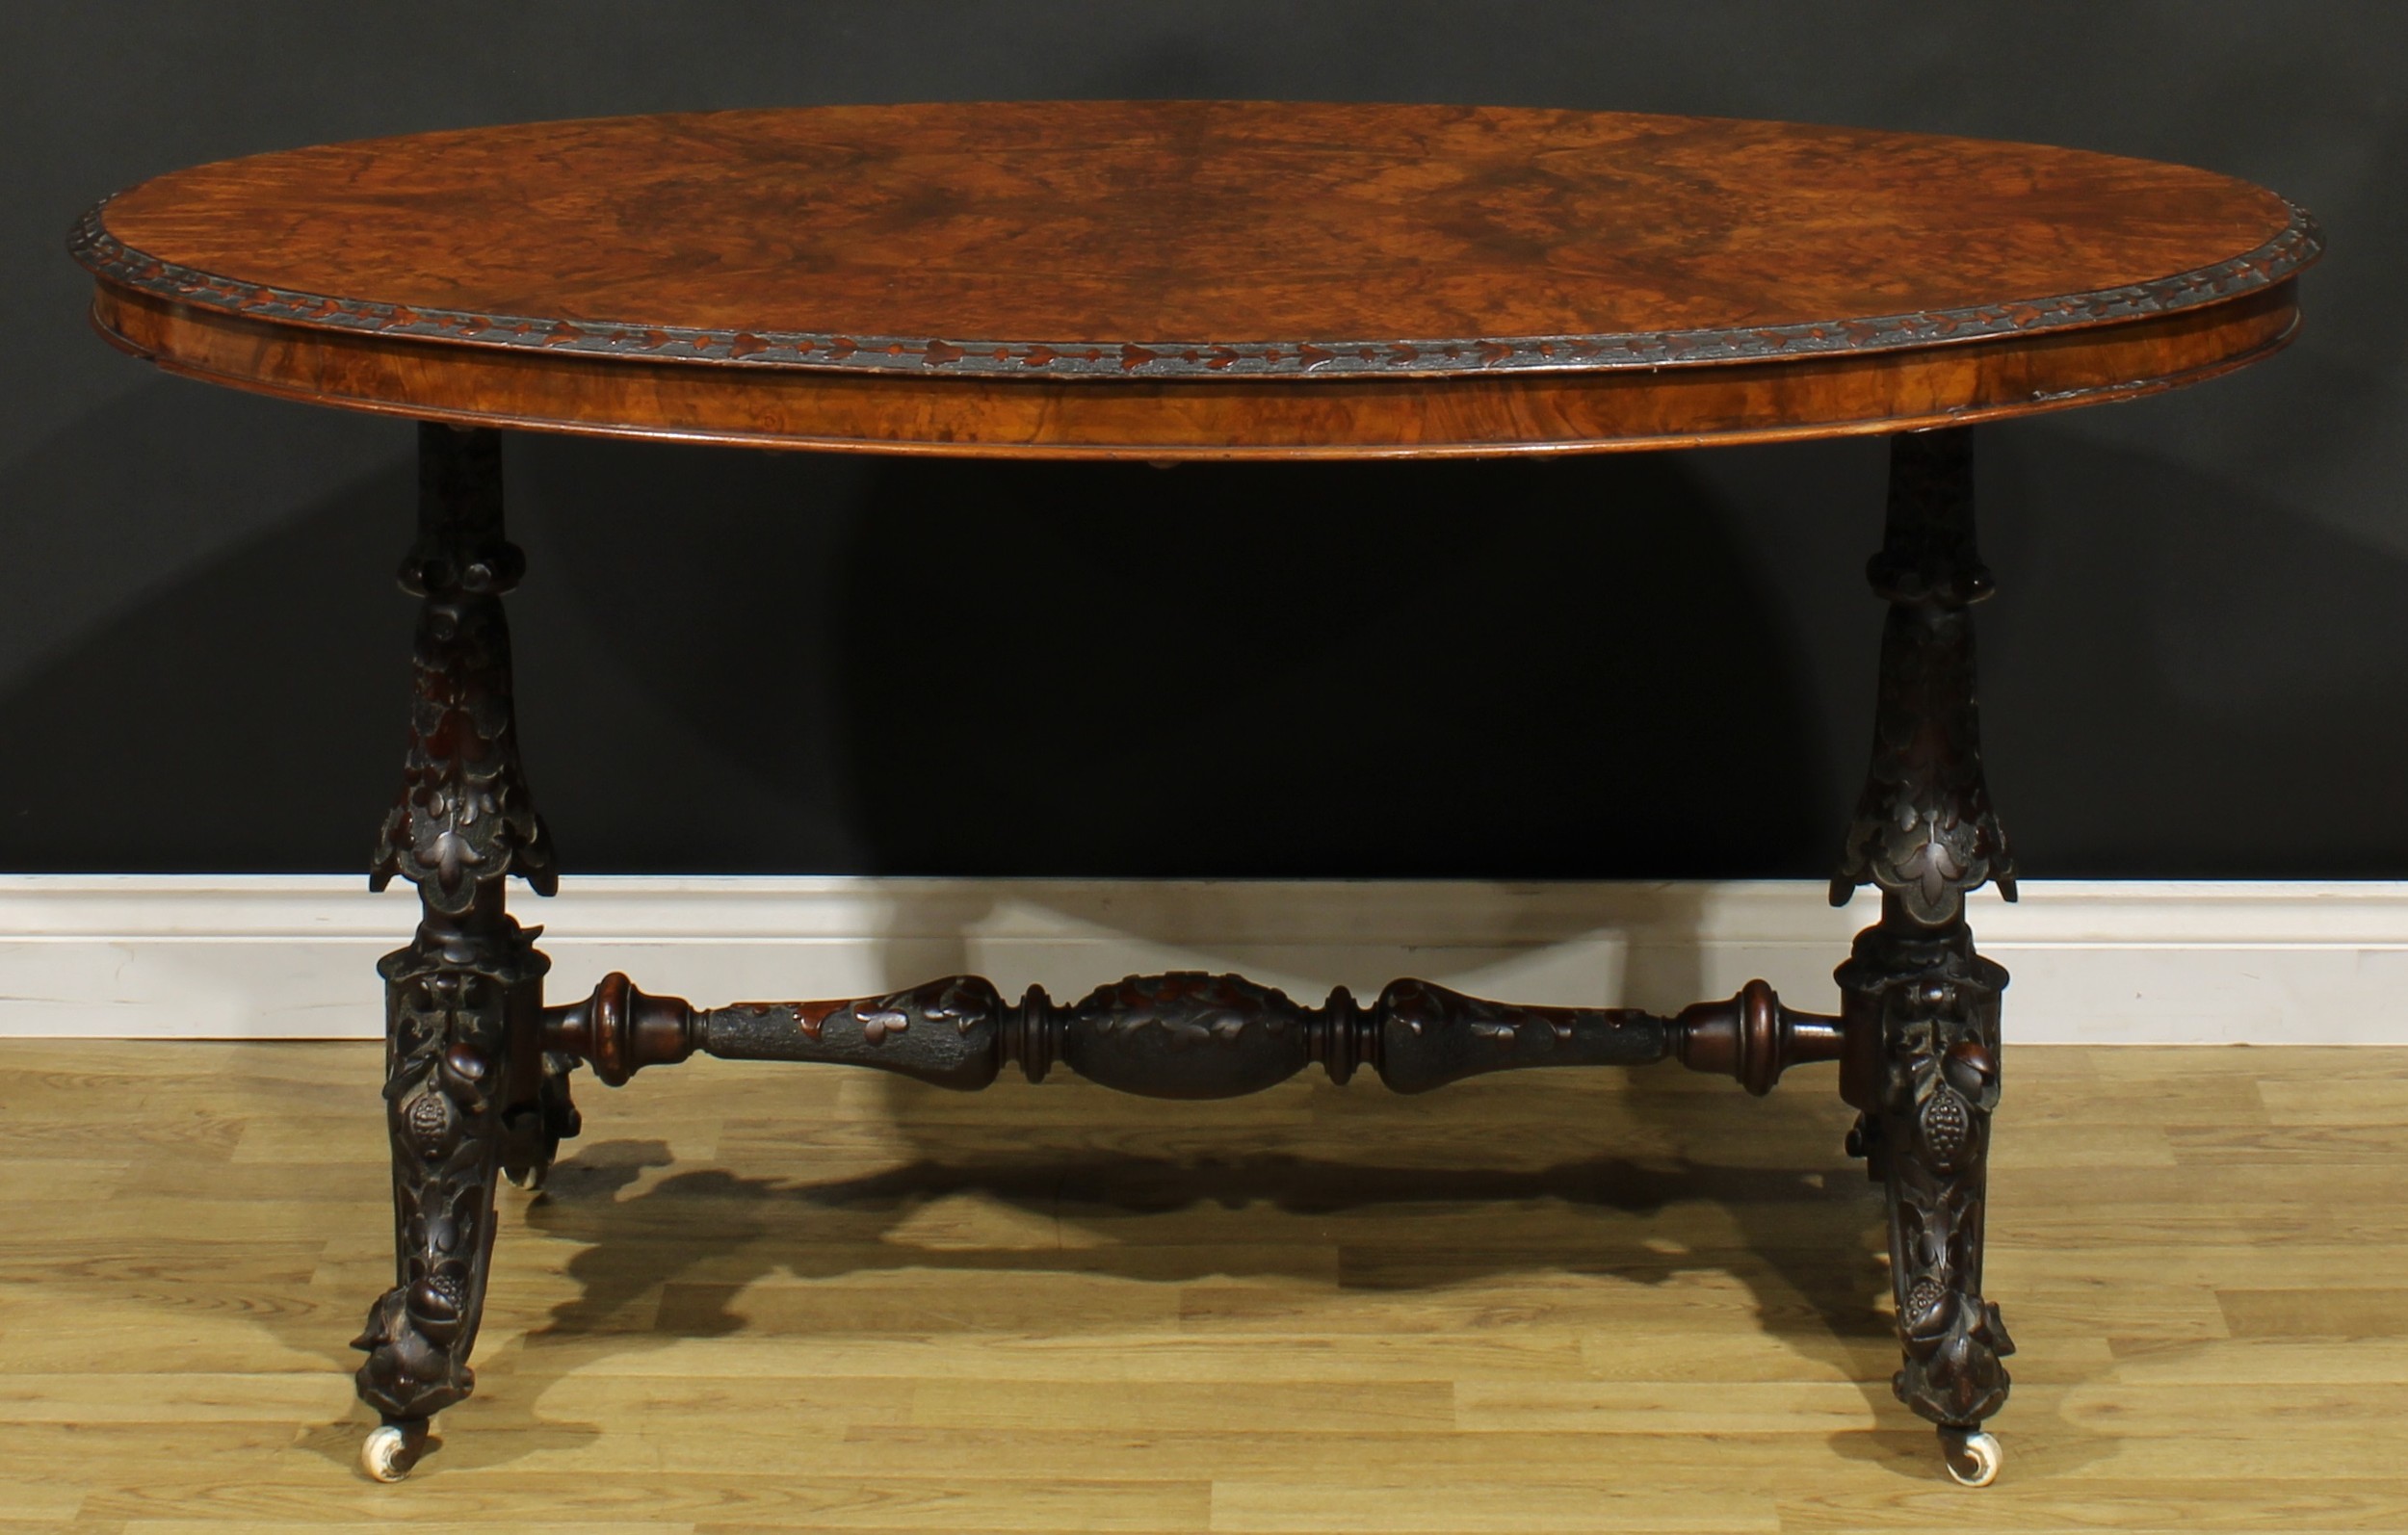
763	1298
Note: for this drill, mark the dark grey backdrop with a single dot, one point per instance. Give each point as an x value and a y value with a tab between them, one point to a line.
1639	666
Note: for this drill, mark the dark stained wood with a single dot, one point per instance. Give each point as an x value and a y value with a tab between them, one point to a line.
1187	1034
467	1093
1920	1005
1175	280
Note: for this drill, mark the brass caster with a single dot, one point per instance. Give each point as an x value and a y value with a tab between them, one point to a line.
390	1450
1971	1456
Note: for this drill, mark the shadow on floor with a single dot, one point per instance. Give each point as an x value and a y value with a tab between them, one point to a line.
668	1258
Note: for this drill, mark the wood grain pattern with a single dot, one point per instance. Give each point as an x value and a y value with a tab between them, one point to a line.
1058	1308
1115	237
1189	419
1247	277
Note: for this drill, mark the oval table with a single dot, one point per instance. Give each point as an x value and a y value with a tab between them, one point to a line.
1168	281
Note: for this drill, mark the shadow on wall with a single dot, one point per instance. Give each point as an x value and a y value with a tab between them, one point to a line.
1492	670
750	661
2184	680
202	660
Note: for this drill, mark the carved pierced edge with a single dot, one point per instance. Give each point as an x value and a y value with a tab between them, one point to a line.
2297	245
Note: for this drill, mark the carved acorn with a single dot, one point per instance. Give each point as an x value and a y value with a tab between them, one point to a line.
409	1370
1952	1371
437	1304
1970	1069
463	1072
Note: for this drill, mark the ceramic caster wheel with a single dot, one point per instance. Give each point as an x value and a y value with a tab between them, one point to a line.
388	1453
1973	1457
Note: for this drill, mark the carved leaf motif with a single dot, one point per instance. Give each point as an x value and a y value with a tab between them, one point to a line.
1924	829
463	815
1188	1009
1938	1005
443	1088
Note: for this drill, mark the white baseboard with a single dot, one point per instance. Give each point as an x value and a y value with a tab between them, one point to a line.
291	956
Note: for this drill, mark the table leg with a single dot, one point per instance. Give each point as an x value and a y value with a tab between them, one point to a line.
469	1091
477	1067
1921	1006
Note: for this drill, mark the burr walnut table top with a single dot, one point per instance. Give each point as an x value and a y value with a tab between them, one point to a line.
1190	279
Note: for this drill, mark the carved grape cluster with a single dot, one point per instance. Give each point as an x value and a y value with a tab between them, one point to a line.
429	1120
1923	1297
1948	1127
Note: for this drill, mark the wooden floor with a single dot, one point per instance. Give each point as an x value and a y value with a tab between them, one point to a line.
768	1298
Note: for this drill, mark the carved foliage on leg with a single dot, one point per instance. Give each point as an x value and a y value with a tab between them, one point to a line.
464	815
454	998
1923	827
1929	1137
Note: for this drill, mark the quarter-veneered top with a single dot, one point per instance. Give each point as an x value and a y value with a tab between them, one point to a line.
1202	240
